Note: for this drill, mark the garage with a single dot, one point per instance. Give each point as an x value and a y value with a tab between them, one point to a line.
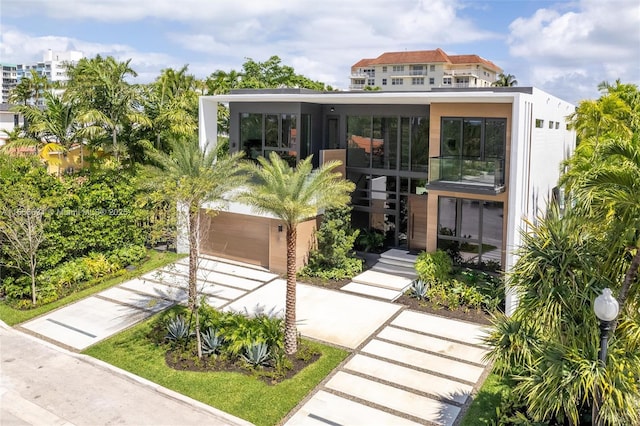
236	236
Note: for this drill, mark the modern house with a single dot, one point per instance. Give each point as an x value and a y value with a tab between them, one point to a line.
432	169
422	70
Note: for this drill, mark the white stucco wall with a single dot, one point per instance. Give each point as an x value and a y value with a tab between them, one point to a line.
536	158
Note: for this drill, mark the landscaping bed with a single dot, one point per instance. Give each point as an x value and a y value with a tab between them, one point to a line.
222	381
473	315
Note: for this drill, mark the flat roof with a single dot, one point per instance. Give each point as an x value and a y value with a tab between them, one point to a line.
485	95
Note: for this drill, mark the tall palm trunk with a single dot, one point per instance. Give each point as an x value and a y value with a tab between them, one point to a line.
194	220
290	333
629	278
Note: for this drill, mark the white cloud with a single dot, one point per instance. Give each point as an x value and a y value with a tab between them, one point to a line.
18	47
572	51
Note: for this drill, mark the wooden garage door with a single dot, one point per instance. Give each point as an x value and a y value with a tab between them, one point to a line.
237	237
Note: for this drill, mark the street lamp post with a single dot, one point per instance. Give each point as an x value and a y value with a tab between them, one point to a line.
606	309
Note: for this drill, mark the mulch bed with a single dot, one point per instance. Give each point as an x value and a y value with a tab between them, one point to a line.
471	315
181	360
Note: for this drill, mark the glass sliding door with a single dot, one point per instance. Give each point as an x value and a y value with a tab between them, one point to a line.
471	230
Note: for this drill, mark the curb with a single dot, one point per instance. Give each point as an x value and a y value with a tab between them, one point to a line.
228	419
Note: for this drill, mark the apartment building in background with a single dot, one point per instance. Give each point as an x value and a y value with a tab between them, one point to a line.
422	70
52	66
9	80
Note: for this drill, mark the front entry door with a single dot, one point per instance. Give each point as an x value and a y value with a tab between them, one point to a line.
417	235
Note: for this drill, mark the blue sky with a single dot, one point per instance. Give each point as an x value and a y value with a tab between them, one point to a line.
563	47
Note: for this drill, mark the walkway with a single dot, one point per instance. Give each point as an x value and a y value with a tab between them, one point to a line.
417	369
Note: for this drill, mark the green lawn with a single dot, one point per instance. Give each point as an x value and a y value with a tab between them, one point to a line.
12	316
241	395
483	408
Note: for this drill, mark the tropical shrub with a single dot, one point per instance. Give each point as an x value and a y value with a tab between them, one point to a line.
334	257
370	240
434	267
256	354
178	329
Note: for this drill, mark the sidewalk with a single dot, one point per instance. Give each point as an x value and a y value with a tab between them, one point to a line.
41	384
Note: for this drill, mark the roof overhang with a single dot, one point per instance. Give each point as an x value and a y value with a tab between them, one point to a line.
370	98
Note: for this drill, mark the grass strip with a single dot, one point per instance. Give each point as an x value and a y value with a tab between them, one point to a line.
483	408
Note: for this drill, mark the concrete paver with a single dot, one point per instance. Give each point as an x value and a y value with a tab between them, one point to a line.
233	268
331	316
398	399
456	369
433	344
410	378
215	277
326	408
368	290
442	327
205	287
88	321
375	278
165	291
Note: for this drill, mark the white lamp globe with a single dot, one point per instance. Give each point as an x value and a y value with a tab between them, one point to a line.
606	306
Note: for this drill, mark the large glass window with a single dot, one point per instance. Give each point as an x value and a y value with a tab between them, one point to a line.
478	138
251	135
470	230
378	142
262	133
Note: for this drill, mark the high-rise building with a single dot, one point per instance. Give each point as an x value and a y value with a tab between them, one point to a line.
9	79
52	66
422	70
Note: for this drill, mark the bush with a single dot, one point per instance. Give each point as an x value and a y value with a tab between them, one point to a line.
334	257
128	255
370	240
434	267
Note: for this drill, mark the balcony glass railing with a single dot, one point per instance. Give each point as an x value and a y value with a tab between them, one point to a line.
467	171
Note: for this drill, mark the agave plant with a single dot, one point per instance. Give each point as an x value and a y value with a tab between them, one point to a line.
177	329
419	289
211	341
257	354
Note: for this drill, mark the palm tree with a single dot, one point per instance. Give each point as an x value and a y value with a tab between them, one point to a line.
56	127
294	195
194	177
505	80
610	186
100	86
172	104
597	118
30	88
549	346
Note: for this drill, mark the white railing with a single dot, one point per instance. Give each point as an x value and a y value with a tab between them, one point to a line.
357	86
462	71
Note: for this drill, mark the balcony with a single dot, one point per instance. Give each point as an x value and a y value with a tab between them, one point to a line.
467	174
357	86
462	72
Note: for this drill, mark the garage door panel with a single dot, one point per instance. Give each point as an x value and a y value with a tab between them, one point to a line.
238	237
